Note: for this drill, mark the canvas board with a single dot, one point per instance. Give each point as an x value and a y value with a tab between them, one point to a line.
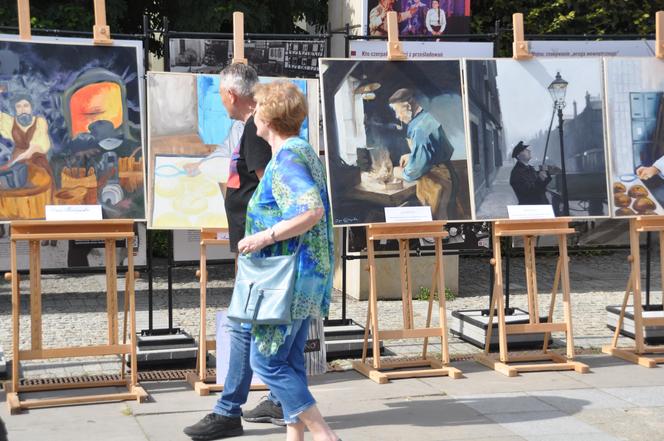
71	127
635	119
508	102
191	139
376	159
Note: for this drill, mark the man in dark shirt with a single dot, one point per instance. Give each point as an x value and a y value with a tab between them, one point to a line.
528	184
248	161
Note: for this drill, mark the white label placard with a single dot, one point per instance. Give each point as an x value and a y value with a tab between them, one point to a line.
606	48
73	212
525	212
408	214
422	49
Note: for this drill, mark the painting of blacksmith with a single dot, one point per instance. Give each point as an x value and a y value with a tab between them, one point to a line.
70	127
395	138
537	135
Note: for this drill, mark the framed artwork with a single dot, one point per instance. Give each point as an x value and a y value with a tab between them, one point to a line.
395	137
536	131
70	127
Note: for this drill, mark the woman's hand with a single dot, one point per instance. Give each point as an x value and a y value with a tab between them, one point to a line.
255	242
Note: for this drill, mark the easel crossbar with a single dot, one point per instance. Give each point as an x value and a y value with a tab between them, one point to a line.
82	351
409	333
536	328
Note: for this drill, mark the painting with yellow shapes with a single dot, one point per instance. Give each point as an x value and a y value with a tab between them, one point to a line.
70	127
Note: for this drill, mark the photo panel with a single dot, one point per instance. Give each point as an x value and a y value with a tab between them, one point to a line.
635	108
395	138
419	17
518	114
191	142
70	127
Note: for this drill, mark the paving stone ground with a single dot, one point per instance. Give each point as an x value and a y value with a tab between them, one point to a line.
74	306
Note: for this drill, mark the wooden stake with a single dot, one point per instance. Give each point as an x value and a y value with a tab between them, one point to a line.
520	46
394	49
659	34
24	30
238	38
101	33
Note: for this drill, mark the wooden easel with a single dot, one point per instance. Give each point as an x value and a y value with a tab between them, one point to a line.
403	232
638	353
202	383
530	230
109	231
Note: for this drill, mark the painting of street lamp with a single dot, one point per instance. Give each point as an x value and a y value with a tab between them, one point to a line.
519	157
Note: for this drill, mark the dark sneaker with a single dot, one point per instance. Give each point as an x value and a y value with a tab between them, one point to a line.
214	426
267	411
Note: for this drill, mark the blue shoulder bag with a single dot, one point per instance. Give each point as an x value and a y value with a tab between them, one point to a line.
263	291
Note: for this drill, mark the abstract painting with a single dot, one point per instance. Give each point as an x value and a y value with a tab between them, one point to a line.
191	137
70	127
395	137
536	132
635	106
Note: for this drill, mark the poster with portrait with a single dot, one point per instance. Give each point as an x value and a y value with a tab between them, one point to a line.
536	131
395	137
420	17
70	127
634	92
190	144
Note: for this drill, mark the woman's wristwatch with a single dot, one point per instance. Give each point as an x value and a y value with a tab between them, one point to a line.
273	235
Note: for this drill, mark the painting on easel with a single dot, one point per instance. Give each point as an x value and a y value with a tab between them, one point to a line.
70	127
635	104
537	135
395	137
191	141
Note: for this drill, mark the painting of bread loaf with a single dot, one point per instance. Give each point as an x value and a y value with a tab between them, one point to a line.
634	91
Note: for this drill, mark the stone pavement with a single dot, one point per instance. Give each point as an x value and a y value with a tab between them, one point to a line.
615	401
74	306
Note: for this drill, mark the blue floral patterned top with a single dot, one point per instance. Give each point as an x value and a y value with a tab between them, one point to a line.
294	183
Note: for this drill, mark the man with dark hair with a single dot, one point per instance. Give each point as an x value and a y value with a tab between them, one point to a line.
528	184
429	162
248	161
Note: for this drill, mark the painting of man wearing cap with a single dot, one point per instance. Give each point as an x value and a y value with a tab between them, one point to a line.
429	161
529	185
28	131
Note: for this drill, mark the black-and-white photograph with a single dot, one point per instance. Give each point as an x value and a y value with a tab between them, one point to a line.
274	58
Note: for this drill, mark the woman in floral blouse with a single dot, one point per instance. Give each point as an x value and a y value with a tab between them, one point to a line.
291	200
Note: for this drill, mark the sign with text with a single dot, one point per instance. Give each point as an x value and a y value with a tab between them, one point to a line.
422	49
408	214
606	48
73	212
526	212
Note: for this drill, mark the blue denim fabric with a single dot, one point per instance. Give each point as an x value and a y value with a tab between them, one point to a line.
238	380
285	372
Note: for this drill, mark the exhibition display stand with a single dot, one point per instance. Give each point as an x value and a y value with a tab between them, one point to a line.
640	353
108	231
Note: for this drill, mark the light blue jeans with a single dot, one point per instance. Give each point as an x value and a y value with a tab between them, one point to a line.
285	372
238	380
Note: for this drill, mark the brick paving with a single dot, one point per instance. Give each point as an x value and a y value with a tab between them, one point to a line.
74	306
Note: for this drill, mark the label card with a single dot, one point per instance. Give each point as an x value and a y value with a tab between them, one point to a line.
408	214
526	212
73	212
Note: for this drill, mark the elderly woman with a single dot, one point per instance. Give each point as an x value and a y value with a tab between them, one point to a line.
290	201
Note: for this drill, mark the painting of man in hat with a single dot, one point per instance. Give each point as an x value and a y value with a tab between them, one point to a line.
429	161
529	185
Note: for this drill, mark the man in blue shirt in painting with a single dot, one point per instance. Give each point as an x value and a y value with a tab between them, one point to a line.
429	161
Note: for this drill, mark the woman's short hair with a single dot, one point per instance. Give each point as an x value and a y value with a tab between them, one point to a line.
283	105
240	78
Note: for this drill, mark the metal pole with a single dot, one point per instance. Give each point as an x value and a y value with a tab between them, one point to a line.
148	257
167	50
170	281
562	162
344	232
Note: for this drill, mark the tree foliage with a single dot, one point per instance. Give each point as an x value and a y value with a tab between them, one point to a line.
126	16
567	17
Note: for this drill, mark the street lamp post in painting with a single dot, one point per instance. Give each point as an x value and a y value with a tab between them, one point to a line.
558	89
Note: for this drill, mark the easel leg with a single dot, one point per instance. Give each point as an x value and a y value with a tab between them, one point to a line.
111	291
621	317
16	317
636	285
373	299
528	250
430	306
202	333
365	344
567	302
129	292
405	284
533	282
442	314
661	263
35	295
549	318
